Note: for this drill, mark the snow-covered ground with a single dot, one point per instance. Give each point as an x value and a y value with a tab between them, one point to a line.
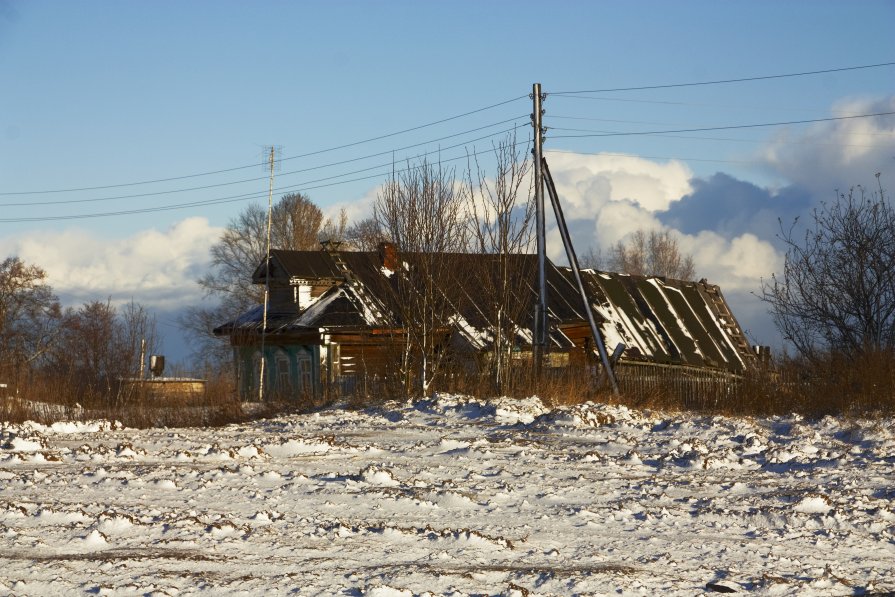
451	496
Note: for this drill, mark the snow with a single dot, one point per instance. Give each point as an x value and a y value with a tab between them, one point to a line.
452	496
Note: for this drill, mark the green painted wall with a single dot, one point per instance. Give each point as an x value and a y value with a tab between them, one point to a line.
291	372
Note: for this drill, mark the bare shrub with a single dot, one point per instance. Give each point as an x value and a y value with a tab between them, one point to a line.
365	235
96	348
592	259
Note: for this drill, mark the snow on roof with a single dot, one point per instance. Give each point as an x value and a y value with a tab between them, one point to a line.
671	321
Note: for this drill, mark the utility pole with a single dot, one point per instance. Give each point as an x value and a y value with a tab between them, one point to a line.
539	329
270	160
576	272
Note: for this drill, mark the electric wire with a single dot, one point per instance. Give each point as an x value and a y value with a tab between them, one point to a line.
647	157
245	196
302	170
584	118
304	186
462	115
727	81
735	140
258	164
723	128
572	94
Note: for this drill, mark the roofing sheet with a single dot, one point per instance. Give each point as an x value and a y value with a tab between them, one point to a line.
668	321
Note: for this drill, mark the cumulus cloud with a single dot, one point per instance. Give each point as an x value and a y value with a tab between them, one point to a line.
839	154
727	225
156	268
606	199
736	263
587	182
732	207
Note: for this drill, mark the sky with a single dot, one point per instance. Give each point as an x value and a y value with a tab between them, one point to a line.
131	133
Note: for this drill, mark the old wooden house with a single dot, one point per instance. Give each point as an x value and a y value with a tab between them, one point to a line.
334	319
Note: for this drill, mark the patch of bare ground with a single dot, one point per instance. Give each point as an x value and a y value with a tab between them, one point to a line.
114	555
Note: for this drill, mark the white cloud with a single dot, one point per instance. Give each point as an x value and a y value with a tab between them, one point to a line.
737	263
357	210
606	198
585	183
156	268
839	154
619	219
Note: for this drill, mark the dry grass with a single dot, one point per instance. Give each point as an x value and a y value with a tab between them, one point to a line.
833	385
47	400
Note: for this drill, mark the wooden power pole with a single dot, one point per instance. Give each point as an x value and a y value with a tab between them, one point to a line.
539	329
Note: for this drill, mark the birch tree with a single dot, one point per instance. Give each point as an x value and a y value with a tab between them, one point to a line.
501	212
652	253
421	210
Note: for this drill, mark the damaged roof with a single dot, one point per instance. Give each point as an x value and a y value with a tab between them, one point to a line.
658	320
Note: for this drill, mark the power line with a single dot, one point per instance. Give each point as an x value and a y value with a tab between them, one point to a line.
647	157
462	115
584	118
242	197
726	81
735	140
257	164
303	186
559	117
455	117
622	99
309	169
443	120
723	128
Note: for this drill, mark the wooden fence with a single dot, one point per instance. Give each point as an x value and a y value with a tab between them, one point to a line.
692	387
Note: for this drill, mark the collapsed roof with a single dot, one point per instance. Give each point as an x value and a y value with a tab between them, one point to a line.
658	320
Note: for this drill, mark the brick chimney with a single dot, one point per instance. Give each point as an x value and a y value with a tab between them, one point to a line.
388	255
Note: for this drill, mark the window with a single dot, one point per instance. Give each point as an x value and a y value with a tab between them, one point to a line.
284	382
304	372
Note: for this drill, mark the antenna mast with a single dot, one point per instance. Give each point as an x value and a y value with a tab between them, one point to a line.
271	160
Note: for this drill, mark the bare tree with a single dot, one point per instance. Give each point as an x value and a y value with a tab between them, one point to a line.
296	225
333	230
592	259
98	347
837	290
365	235
29	315
421	211
138	330
501	212
652	253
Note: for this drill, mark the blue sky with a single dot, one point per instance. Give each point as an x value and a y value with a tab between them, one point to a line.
108	93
